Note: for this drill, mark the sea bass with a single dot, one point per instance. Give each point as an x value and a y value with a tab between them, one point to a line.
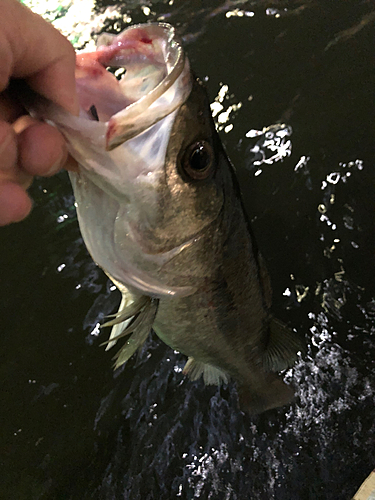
160	212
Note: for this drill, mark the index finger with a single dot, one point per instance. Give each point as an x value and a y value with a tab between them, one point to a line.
33	49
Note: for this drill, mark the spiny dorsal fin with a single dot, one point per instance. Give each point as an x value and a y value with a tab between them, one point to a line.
127	309
211	374
141	327
282	348
119	326
129	326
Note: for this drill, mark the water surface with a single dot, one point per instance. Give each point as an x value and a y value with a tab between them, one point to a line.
293	83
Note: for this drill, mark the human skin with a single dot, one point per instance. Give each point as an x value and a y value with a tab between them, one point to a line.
32	49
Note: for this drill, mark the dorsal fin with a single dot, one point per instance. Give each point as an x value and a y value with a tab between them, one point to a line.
133	318
129	307
282	348
140	325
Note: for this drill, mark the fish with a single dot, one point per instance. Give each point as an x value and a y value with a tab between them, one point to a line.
160	211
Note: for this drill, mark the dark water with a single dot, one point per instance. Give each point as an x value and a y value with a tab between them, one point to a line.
71	429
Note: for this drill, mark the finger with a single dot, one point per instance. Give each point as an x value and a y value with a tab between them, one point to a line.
15	204
35	166
38	52
8	152
42	149
22	123
9	170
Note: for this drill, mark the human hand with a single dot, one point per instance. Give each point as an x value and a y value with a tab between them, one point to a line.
32	49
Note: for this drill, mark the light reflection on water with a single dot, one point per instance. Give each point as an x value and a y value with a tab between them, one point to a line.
76	430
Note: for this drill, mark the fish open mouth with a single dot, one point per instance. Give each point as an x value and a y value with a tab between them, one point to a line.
155	80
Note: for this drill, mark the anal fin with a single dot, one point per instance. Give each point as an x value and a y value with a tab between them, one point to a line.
211	374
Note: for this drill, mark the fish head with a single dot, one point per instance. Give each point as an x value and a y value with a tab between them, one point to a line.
148	190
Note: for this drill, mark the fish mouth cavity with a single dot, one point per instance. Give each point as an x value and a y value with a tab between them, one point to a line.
156	81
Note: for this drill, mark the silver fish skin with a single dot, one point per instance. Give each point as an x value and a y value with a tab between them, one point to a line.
160	211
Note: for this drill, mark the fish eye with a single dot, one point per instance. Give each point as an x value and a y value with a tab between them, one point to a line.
198	161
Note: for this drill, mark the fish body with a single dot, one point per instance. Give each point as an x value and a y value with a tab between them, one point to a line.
160	211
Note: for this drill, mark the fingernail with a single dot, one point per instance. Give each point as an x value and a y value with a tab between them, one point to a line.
58	165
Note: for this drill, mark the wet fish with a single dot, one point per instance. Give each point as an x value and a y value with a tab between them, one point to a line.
160	211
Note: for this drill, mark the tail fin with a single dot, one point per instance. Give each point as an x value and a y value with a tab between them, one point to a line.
272	394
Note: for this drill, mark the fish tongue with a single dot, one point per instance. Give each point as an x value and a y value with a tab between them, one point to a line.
271	394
